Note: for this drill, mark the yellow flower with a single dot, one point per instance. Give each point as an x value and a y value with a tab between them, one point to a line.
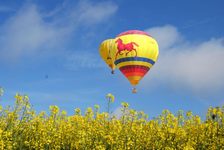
78	111
63	113
19	99
21	128
54	109
188	147
97	107
110	97
125	105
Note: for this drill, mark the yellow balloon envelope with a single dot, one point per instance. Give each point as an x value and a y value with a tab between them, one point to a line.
136	53
107	52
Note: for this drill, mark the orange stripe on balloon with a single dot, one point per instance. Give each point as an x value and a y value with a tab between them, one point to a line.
134	78
134	74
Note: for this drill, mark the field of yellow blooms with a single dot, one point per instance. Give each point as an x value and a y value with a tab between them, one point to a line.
22	128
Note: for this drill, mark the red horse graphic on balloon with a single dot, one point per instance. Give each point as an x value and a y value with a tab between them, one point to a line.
128	46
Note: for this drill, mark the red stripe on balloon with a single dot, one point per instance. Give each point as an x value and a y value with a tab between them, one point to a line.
134	67
134	70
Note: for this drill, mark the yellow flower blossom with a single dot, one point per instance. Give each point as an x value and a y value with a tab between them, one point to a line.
22	128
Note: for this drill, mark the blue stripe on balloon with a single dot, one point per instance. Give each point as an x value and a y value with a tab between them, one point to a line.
134	59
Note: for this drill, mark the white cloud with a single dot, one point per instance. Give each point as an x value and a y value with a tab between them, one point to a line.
94	13
185	64
32	33
27	34
79	60
166	36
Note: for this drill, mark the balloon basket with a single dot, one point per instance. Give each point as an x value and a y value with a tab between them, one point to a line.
134	90
112	72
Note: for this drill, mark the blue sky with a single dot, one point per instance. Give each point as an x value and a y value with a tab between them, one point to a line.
60	39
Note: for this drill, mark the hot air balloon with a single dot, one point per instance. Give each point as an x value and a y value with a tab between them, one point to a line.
136	53
107	53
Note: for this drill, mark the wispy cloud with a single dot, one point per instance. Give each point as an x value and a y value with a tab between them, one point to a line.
80	60
33	33
90	13
198	23
27	34
167	36
186	64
